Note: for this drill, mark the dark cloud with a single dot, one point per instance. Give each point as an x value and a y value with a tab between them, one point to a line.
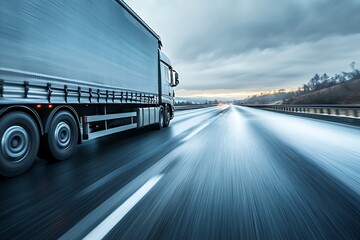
242	44
199	27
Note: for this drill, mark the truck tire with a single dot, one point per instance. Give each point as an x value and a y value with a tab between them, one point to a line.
20	140
166	116
160	125
61	140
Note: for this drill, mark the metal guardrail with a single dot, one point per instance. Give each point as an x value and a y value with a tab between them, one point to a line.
347	111
195	106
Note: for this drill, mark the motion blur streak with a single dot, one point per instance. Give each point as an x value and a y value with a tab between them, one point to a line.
248	174
105	226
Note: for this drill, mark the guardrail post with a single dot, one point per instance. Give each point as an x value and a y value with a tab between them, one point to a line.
356	113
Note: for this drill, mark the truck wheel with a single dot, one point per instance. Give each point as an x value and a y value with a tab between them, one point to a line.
160	125
166	116
20	141
62	136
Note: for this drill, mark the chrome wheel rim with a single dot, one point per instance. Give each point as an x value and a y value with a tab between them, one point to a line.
15	143
62	135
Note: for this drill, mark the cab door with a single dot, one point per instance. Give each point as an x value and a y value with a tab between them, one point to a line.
166	89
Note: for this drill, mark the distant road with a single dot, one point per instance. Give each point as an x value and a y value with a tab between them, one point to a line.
215	173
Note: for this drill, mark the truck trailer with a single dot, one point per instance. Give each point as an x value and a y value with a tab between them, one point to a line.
72	71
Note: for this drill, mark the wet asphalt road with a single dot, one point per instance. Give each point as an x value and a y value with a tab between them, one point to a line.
215	173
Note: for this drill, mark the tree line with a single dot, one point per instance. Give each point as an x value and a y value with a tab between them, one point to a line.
206	102
317	82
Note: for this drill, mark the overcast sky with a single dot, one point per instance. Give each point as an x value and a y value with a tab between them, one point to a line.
235	48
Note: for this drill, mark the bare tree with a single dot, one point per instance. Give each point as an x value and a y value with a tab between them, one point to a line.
352	66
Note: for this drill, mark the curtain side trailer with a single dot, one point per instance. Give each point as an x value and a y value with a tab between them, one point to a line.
72	71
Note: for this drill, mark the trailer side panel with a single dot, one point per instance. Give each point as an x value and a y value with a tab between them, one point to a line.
83	43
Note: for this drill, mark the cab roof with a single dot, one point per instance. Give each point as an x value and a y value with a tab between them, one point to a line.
165	59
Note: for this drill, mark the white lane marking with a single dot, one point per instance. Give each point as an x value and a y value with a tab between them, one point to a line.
109	223
86	224
197	130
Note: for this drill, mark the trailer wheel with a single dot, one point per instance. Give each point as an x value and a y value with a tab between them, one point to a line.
62	136
167	116
20	141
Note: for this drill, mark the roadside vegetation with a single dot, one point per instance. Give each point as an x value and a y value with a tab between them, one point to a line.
342	88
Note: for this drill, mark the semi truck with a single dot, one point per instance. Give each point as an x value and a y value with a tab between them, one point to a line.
72	71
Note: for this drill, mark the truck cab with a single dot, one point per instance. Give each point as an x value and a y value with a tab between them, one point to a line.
169	79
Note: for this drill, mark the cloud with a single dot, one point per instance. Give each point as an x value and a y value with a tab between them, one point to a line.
254	45
285	66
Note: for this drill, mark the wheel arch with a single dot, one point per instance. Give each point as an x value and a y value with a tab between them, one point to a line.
33	114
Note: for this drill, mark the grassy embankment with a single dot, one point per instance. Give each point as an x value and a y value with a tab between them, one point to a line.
345	93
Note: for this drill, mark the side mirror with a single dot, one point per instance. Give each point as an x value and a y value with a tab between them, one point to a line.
176	79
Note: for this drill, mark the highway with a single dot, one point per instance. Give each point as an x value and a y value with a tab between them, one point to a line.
224	172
